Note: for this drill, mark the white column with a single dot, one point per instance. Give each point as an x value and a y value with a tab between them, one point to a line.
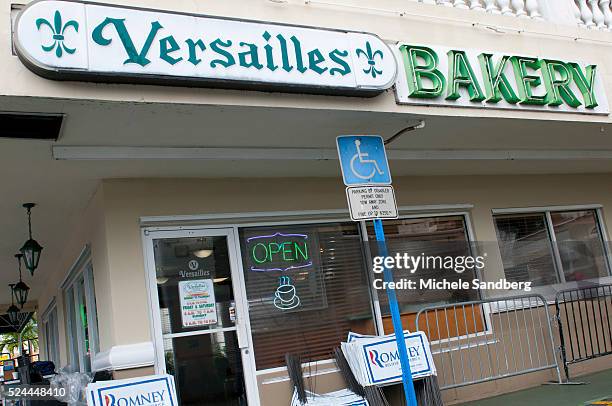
577	14
585	13
564	12
605	6
519	8
491	7
476	5
460	4
533	8
504	5
598	17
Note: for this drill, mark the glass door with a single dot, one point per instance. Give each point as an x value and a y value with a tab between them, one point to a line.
202	333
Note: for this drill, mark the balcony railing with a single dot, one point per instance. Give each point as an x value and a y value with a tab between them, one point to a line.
591	14
517	8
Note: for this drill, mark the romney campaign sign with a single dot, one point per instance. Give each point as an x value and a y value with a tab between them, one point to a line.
157	390
375	359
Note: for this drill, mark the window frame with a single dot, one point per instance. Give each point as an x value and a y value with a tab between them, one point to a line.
556	256
305	221
50	332
469	232
239	220
81	271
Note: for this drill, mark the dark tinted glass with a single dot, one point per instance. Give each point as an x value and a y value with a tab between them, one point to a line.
207	369
307	287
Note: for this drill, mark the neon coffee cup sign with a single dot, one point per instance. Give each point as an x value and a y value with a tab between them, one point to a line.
74	40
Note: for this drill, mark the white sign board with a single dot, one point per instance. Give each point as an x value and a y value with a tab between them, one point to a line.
456	77
72	40
198	306
156	390
371	202
376	360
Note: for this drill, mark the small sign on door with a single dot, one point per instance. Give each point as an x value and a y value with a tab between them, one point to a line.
371	202
198	306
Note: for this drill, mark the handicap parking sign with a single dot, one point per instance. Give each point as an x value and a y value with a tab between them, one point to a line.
363	160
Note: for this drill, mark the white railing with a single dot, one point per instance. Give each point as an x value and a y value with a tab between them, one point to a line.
594	14
515	8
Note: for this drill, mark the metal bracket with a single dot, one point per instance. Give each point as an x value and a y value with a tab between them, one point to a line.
421	124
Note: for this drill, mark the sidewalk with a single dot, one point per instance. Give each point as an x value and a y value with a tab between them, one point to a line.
599	387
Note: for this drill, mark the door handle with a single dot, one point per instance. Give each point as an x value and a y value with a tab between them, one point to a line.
243	340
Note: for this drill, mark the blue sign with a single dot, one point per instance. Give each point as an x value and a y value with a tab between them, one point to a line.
363	160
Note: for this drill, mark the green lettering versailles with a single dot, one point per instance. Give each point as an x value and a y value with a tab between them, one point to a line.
133	55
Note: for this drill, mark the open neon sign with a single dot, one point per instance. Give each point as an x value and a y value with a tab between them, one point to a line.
279	252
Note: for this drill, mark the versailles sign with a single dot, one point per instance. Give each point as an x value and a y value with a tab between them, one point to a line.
445	76
74	40
77	40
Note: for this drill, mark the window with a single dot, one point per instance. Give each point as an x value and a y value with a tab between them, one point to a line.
552	246
437	237
51	334
81	319
526	248
307	287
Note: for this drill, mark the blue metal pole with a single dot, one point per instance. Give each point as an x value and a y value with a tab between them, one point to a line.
397	321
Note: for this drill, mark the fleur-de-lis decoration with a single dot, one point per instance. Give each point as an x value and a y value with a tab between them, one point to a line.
371	57
58	29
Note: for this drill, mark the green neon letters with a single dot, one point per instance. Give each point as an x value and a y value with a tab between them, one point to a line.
491	79
269	252
558	78
586	83
460	74
495	81
417	71
527	81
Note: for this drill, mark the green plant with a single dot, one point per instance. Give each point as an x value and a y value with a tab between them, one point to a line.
9	342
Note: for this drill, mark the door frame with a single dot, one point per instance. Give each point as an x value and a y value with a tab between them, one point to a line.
243	326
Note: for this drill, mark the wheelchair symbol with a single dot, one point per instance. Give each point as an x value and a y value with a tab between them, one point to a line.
361	157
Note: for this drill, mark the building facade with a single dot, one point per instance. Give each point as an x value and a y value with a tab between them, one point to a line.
195	164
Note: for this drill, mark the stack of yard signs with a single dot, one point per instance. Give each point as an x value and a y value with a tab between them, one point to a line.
374	360
342	397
